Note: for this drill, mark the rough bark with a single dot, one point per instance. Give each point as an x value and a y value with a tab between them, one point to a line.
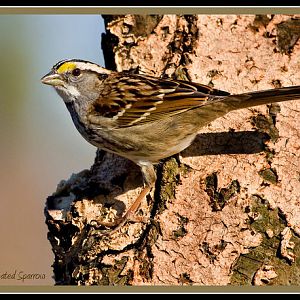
228	210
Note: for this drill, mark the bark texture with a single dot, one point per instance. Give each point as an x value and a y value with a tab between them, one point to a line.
228	210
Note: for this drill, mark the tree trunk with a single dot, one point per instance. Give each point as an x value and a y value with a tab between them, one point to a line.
227	211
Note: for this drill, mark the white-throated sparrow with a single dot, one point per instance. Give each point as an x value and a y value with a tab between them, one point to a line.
144	118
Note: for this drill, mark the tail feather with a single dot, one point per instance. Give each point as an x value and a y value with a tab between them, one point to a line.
250	99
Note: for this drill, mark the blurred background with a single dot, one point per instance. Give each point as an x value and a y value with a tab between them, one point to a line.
39	143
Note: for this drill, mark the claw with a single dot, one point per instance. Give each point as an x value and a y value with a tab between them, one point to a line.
129	215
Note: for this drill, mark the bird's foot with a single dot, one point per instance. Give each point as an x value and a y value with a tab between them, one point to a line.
130	215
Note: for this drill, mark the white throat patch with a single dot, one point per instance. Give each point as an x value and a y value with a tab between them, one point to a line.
70	94
72	90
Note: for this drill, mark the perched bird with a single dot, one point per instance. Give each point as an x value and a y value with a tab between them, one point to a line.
144	118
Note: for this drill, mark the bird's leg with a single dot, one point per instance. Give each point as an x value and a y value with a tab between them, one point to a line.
149	177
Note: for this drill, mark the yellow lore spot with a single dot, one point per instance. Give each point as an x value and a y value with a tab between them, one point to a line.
67	66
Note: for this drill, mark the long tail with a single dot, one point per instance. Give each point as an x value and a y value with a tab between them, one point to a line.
263	97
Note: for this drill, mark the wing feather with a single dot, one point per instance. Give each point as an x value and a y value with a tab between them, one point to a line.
132	99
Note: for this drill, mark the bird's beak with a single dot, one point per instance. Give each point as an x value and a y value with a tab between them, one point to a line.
52	79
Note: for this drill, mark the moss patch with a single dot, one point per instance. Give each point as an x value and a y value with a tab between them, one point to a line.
269	175
288	34
267	252
259	21
111	275
181	230
168	175
219	197
212	251
266	124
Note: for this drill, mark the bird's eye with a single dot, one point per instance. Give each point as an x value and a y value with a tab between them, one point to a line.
76	72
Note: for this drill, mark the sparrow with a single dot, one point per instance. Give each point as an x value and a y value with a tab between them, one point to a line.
145	118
